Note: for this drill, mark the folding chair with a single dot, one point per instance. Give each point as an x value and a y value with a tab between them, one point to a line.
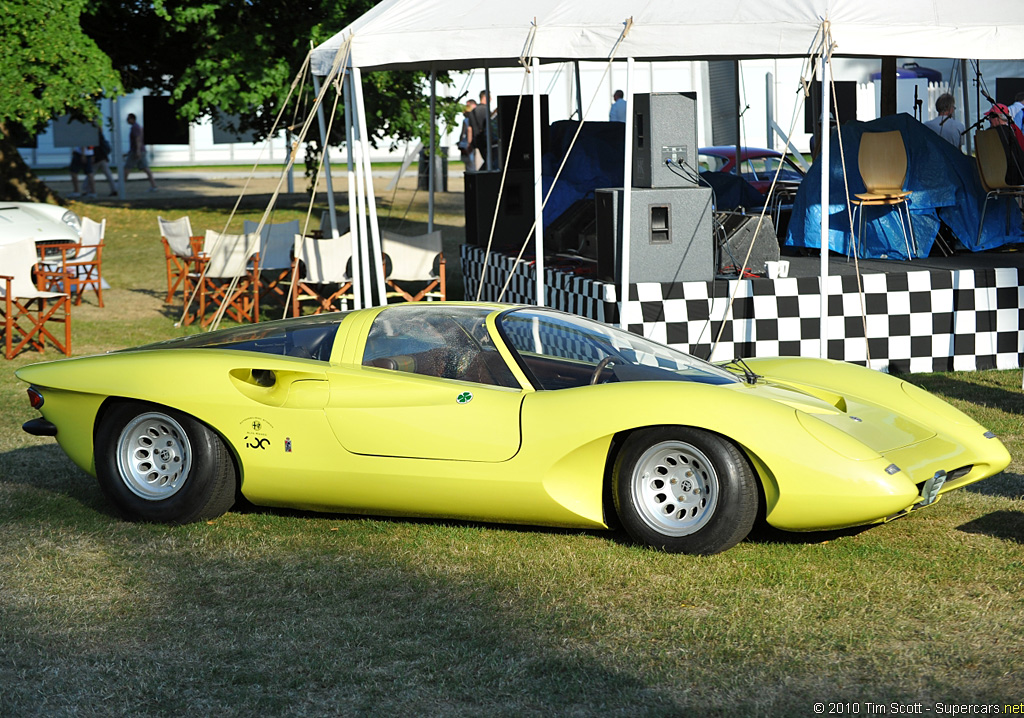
327	279
26	309
991	158
277	242
415	260
883	167
181	251
85	269
228	275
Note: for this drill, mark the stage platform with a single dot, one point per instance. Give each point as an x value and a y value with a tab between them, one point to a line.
963	312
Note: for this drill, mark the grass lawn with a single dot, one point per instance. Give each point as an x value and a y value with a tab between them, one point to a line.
289	613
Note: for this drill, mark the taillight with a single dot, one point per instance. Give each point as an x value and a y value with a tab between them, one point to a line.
35	398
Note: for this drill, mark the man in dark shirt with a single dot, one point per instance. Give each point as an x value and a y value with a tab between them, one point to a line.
478	119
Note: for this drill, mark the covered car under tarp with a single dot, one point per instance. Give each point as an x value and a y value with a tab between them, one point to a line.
945	185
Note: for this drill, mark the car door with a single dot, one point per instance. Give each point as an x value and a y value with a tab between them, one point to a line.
430	384
383	412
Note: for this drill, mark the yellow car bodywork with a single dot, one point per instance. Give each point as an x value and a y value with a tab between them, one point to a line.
833	444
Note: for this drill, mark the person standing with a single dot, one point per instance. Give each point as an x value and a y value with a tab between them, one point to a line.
137	152
101	163
617	112
79	165
466	139
478	119
945	125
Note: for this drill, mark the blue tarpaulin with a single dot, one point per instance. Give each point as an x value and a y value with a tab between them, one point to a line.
945	186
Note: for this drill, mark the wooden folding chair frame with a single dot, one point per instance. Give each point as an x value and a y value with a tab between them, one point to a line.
180	262
35	308
324	280
213	284
411	262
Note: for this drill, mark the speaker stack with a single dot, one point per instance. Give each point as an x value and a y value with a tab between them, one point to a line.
670	224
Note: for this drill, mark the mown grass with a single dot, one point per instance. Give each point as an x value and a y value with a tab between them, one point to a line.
289	613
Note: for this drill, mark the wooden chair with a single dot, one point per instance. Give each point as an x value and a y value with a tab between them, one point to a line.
991	158
322	273
181	252
26	308
85	270
414	260
277	242
228	275
883	167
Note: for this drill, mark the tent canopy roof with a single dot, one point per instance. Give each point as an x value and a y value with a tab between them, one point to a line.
415	34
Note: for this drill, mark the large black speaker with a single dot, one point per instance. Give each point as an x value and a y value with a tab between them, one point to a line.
515	216
735	233
521	157
665	139
670	238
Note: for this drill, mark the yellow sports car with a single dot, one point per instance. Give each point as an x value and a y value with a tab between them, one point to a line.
508	414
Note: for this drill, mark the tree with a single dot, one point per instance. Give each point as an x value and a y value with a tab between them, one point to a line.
234	60
50	68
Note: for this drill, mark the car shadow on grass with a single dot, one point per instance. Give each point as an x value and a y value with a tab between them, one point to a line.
1005	525
1004	485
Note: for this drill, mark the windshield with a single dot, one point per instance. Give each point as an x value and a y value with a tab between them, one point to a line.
306	338
560	351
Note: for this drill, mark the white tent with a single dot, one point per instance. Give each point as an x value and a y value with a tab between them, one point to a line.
421	33
428	35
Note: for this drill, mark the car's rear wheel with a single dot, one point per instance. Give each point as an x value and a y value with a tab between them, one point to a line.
684	490
158	464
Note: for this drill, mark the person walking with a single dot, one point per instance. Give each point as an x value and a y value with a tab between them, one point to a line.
101	163
136	158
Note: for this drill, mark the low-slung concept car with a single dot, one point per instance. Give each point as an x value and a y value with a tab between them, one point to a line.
503	414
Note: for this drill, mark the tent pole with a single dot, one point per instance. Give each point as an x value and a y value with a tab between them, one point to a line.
487	124
538	182
357	279
627	200
433	148
372	242
826	106
579	89
967	104
327	155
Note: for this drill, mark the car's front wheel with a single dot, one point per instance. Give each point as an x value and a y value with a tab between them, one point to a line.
684	490
157	464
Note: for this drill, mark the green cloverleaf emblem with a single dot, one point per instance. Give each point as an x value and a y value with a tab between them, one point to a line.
464	398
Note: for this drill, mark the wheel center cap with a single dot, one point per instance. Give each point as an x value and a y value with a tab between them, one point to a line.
686	485
165	455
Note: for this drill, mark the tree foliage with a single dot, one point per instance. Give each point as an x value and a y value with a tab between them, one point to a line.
234	60
50	68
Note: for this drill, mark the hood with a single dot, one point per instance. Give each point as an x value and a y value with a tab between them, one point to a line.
40	222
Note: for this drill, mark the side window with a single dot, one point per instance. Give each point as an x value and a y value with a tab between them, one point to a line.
449	344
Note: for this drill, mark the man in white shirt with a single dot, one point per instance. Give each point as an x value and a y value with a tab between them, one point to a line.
1017	109
945	125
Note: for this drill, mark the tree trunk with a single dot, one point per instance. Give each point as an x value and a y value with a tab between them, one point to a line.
17	182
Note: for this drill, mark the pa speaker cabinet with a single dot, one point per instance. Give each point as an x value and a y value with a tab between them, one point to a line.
665	139
521	157
736	236
515	216
670	236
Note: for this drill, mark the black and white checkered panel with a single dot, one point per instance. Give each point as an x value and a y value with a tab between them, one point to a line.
567	292
916	321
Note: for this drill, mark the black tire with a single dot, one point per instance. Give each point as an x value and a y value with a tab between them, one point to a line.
684	490
193	478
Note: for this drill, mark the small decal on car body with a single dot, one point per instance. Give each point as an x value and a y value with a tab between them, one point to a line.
464	398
